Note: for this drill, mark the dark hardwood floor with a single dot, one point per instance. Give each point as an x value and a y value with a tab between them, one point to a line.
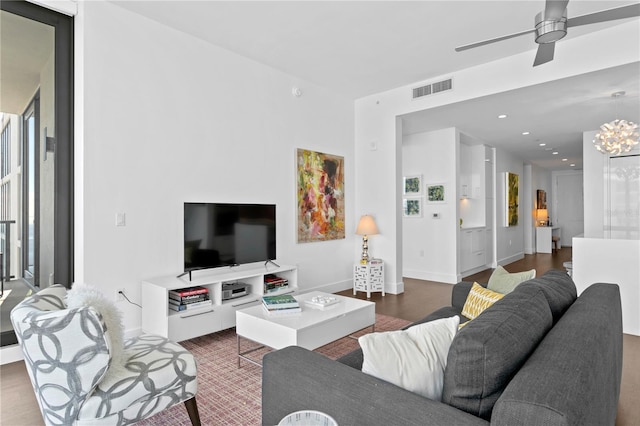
19	406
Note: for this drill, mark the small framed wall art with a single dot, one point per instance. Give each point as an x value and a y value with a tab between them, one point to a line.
412	207
435	193
412	185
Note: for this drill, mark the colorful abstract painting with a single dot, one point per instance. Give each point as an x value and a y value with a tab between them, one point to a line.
320	196
512	199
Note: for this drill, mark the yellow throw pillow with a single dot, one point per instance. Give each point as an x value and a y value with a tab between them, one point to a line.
478	300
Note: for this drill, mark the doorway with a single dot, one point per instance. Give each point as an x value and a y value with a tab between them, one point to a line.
36	119
569	206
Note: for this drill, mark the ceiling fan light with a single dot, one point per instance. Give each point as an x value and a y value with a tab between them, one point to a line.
617	137
550	31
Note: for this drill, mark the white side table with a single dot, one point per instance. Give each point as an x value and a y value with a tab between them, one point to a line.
369	278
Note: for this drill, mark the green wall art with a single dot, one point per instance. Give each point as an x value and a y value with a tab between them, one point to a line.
412	185
512	199
412	207
435	193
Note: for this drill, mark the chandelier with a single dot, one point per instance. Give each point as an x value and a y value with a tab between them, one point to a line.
617	136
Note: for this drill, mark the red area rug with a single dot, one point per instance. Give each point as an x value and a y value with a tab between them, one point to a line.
228	395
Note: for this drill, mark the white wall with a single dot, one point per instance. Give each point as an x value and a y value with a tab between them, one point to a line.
430	244
568	211
593	163
598	260
165	118
378	172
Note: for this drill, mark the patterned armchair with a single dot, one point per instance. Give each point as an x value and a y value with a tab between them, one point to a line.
68	355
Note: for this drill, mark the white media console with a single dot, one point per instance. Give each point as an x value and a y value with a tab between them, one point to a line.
157	318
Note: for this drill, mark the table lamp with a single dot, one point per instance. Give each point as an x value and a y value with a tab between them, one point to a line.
366	226
541	216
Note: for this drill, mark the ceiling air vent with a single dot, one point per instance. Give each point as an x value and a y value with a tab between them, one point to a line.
432	88
419	92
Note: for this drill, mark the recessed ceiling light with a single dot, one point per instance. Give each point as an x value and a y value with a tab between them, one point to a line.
555	152
543	144
502	116
564	159
572	165
525	133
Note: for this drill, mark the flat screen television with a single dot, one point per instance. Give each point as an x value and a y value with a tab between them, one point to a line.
218	234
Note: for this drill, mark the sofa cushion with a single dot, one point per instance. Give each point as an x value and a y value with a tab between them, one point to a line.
413	359
558	288
488	351
478	300
504	282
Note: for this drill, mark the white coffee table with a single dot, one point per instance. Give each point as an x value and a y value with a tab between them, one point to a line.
310	329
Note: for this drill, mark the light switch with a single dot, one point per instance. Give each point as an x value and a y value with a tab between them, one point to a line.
121	219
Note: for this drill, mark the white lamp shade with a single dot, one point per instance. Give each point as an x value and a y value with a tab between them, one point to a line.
541	214
367	226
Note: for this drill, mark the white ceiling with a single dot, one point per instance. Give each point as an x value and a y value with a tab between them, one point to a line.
359	48
362	47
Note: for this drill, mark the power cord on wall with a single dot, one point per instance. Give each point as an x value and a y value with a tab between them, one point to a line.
127	299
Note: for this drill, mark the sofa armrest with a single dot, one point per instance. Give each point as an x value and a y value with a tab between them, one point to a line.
574	375
295	379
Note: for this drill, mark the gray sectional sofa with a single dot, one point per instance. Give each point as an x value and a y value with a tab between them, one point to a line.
538	356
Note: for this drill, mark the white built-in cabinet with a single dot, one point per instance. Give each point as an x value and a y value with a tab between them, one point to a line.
476	208
472	248
157	318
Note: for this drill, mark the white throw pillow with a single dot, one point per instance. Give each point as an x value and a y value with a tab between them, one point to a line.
413	359
88	295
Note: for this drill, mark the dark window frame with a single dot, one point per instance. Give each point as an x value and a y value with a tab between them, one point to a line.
64	119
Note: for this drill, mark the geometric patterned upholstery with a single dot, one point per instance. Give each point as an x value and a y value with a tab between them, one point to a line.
67	355
478	300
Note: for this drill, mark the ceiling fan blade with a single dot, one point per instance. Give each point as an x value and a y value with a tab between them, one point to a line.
554	9
628	11
491	40
545	54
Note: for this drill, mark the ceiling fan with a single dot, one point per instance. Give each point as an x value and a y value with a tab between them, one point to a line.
551	25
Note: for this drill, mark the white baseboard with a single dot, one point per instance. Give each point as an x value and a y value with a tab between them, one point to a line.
511	259
430	276
394	288
329	288
391	288
9	354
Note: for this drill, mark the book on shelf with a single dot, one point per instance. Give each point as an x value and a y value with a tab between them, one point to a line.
188	306
282	311
273	282
188	291
282	301
202	298
192	298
